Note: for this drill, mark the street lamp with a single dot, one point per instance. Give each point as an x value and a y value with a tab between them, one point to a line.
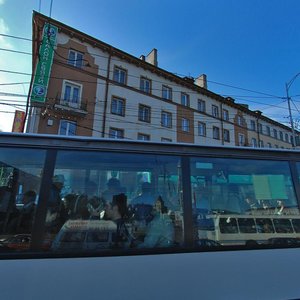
287	87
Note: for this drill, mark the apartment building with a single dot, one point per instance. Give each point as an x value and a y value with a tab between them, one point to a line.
94	89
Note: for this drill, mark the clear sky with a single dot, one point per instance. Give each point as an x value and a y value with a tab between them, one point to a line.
251	45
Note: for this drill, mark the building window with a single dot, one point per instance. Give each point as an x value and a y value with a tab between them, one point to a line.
286	137
71	94
185	124
216	133
261	144
166	119
166	92
260	128
67	128
226	135
144	113
120	75
75	59
166	140
225	115
118	106
201	105
241	139
269	145
253	142
143	137
201	129
215	111
240	120
252	125
275	133
116	133
268	130
185	99
145	85
281	135
276	146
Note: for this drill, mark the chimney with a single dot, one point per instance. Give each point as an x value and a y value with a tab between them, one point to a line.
151	58
201	81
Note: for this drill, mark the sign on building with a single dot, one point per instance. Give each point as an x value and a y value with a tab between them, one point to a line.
43	68
19	120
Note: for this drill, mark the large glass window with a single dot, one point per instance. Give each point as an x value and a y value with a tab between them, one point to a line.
243	202
20	180
115	201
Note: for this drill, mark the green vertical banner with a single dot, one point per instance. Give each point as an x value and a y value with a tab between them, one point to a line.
43	68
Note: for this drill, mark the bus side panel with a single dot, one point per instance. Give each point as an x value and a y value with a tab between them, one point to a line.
253	274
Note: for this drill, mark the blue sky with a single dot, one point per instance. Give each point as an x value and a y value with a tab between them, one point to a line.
250	45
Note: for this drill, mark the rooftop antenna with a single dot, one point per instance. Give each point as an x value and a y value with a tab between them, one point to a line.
50	8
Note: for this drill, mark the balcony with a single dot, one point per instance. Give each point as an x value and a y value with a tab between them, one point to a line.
74	109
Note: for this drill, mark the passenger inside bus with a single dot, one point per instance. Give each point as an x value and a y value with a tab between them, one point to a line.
56	212
113	188
117	212
87	205
160	231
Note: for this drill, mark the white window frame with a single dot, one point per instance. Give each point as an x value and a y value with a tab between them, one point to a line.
240	120
215	111
145	85
225	114
120	75
118	106
166	119
116	133
216	133
185	99
275	133
144	113
201	105
281	135
252	125
185	125
77	61
143	137
166	140
261	144
68	129
226	135
71	102
242	140
254	142
201	129
166	92
268	130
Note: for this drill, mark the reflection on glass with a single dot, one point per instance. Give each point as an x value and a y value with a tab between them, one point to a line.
246	201
116	201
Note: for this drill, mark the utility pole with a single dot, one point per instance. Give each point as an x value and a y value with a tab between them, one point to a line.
287	87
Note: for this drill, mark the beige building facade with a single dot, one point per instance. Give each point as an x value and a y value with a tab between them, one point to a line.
98	90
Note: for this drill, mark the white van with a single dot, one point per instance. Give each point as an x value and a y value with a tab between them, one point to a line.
85	235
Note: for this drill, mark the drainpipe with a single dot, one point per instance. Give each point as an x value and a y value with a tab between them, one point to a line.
222	125
106	95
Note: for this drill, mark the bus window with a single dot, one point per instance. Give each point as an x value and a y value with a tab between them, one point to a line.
296	225
247	191
246	225
264	225
20	178
283	226
140	194
228	225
